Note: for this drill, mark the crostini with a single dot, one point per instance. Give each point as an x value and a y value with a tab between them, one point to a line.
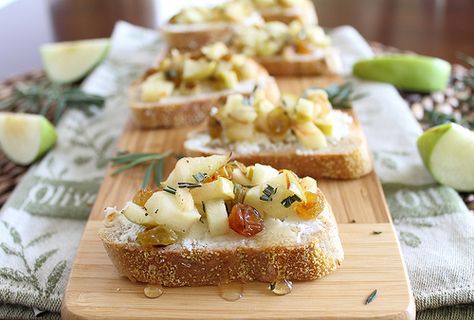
216	220
287	10
303	134
183	87
195	27
293	49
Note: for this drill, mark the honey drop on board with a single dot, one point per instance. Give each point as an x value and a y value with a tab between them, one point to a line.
231	291
153	291
281	287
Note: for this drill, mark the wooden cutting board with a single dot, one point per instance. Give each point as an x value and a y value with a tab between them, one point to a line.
372	261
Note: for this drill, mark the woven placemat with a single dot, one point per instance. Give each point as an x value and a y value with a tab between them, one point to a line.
421	105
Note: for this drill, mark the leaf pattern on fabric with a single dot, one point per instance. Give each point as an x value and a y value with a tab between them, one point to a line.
40	238
29	275
9	251
410	239
41	260
13	275
55	276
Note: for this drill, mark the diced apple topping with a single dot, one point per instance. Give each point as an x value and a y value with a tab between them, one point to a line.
278	39
224	195
308	118
216	214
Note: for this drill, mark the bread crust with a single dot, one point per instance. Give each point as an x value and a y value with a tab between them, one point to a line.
354	162
327	62
192	110
195	38
200	267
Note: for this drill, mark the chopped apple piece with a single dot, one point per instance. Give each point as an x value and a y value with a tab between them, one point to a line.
310	136
229	79
184	199
239	177
166	211
243	114
304	109
325	125
154	90
320	98
293	184
215	51
217	219
260	174
240	132
309	184
221	188
187	167
198	69
138	215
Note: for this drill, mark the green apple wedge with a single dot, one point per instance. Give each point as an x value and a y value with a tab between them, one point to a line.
447	151
67	62
406	71
24	138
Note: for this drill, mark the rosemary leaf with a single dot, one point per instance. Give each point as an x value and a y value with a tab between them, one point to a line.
371	297
155	161
341	95
148	174
40	97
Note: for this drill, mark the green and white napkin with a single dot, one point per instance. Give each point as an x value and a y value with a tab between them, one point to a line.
41	225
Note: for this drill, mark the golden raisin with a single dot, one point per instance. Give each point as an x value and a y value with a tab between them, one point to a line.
303	47
245	220
157	236
142	196
313	206
278	121
215	127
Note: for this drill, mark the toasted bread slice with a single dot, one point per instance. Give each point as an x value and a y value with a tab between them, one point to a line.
189	110
323	62
296	251
345	158
195	36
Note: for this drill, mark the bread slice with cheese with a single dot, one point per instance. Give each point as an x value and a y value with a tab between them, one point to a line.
195	27
285	50
302	134
296	241
184	87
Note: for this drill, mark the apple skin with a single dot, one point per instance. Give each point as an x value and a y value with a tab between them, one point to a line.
24	138
405	71
447	151
427	141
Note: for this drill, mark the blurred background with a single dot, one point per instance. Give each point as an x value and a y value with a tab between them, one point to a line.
441	28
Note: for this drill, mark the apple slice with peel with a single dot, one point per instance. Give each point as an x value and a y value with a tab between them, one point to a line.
25	137
447	151
67	62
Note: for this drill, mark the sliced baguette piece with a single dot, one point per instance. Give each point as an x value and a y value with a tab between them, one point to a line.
190	110
195	36
323	62
296	251
346	158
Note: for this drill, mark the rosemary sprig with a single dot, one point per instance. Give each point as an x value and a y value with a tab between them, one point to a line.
155	161
169	189
189	185
288	201
41	97
200	177
267	193
371	297
341	95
